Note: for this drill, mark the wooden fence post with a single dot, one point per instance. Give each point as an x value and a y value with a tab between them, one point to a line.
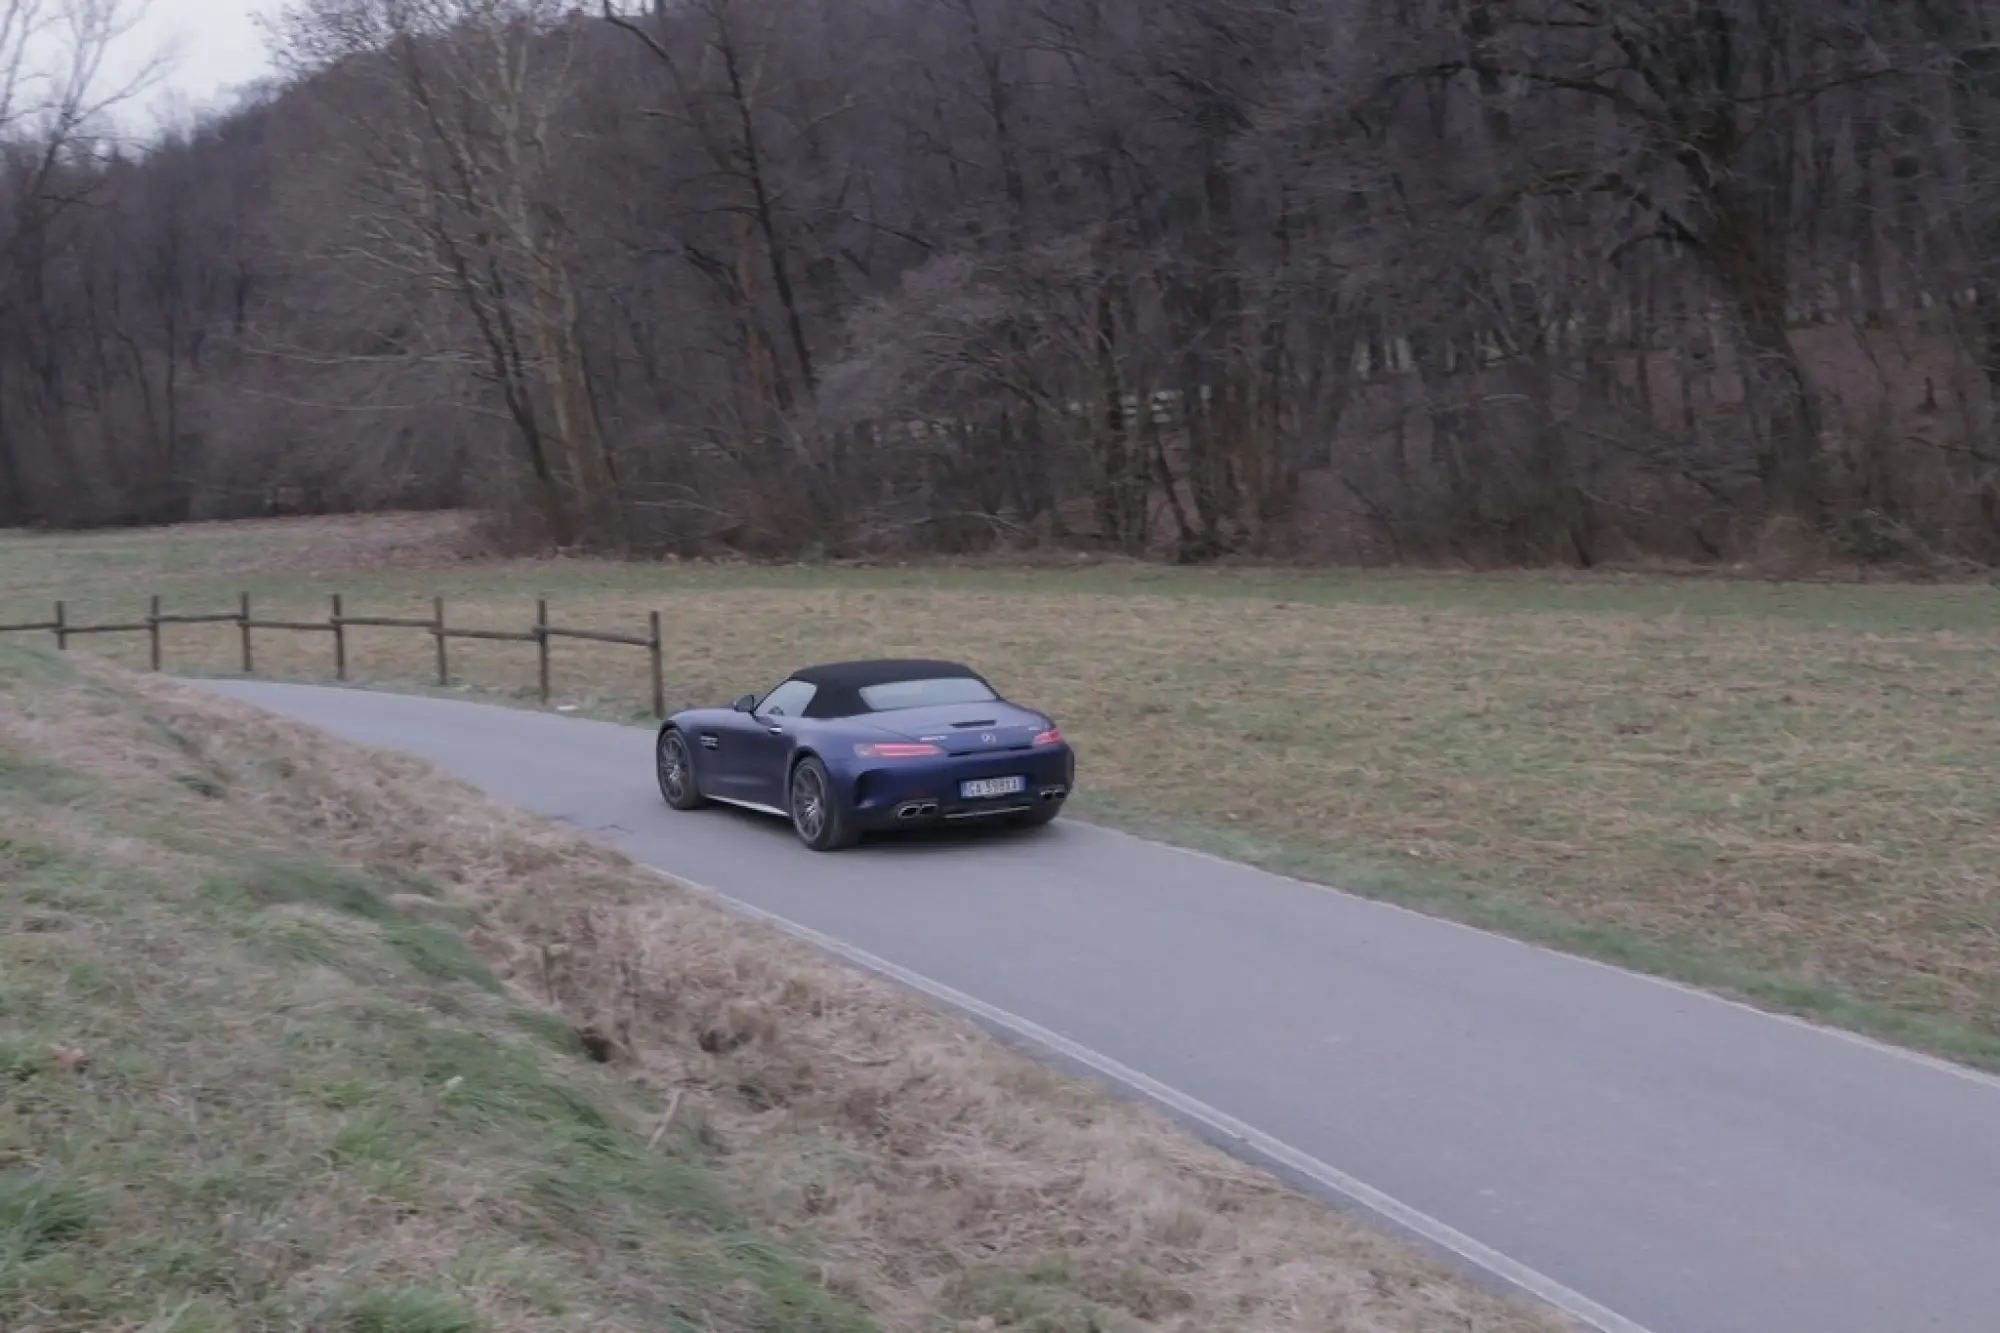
543	635
542	641
659	672
437	628
339	641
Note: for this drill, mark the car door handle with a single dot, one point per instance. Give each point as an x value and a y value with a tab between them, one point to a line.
775	731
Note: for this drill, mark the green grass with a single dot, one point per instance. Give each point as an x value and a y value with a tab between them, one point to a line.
289	1040
1781	791
296	1107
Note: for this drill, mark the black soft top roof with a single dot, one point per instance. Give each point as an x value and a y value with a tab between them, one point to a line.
840	683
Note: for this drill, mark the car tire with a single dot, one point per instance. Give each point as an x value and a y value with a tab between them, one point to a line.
816	815
673	766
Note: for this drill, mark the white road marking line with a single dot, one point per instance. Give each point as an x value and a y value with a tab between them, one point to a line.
1538	1285
1528	1280
1935	1063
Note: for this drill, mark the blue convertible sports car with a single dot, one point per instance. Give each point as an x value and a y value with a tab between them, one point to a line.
850	747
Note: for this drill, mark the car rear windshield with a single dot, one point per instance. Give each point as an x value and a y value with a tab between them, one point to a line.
924	693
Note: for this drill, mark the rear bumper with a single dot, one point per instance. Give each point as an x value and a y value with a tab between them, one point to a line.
918	792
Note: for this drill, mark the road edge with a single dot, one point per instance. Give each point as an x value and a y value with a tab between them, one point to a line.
1935	1062
1215	1126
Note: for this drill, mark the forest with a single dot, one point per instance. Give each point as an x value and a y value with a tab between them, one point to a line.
1502	282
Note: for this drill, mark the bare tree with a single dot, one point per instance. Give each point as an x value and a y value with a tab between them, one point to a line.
1481	280
455	105
54	104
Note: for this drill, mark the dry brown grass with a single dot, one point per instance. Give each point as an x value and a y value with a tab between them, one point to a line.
1777	790
244	1088
939	1178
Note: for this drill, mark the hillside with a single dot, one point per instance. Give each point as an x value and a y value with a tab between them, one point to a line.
298	1036
1341	282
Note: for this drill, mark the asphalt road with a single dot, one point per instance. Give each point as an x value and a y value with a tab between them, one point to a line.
1614	1143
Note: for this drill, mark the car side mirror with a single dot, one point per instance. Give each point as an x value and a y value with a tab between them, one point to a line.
746	704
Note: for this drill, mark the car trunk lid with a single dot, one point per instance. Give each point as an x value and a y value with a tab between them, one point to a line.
964	728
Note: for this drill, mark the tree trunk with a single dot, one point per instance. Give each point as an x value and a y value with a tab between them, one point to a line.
1777	392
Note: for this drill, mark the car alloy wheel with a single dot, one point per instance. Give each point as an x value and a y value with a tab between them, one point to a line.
816	814
676	772
809	803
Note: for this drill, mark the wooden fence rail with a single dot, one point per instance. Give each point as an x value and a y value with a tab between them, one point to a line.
541	634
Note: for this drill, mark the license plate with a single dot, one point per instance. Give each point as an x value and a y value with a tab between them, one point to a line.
982	787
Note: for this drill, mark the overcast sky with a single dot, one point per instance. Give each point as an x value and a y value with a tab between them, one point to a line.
215	46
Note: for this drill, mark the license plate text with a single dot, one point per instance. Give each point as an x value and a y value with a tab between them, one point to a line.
979	787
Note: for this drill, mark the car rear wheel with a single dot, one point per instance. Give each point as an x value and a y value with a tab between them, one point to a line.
675	768
816	813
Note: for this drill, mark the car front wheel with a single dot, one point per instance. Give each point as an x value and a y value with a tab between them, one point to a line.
816	812
675	769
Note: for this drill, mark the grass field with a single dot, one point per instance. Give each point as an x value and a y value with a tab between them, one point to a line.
297	1037
1782	791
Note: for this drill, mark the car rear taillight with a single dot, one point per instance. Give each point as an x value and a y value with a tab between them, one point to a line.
1053	736
896	750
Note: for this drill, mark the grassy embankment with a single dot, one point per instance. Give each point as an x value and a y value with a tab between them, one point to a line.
297	1036
1781	791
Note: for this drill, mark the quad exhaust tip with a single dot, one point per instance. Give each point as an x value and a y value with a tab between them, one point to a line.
917	810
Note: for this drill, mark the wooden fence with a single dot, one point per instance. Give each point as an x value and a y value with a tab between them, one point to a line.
541	634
